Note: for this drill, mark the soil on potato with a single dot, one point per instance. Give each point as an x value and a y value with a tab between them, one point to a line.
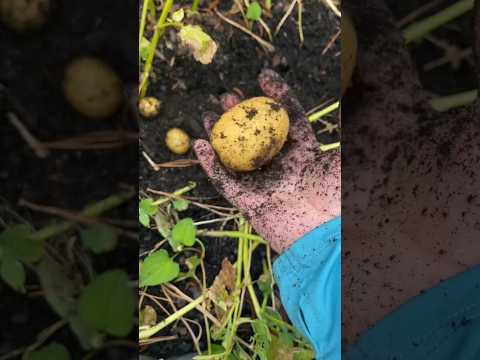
30	71
187	89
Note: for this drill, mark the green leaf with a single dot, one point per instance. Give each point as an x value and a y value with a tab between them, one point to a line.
262	339
16	242
148	206
180	205
99	239
143	48
184	232
178	15
200	43
146	209
13	273
53	351
107	304
158	268
254	11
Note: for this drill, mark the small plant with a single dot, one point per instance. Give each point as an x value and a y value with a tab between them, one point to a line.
202	46
95	309
179	258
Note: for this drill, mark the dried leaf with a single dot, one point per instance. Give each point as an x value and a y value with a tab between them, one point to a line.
203	47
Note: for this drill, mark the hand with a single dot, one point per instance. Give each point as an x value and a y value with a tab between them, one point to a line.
410	175
294	194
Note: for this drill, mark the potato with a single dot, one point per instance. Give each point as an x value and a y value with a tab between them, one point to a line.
250	134
92	88
177	141
349	51
149	107
25	15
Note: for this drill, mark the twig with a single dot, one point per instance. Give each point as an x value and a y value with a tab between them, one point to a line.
170	164
262	42
419	11
331	42
285	17
333	7
37	146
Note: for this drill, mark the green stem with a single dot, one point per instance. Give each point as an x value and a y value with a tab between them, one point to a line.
319	114
145	334
328	147
90	211
159	30
195	5
191	185
231	234
446	103
143	21
418	30
247	255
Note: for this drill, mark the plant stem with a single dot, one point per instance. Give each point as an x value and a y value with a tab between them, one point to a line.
328	147
419	29
230	234
446	103
321	113
247	256
195	5
145	334
90	211
191	185
159	30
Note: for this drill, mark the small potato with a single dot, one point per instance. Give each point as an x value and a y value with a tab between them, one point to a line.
25	15
92	88
149	107
349	51
250	134
177	141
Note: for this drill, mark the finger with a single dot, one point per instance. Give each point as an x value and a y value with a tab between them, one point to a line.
276	88
209	120
273	85
229	100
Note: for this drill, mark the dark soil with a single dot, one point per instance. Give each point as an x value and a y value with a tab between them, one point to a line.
31	68
188	89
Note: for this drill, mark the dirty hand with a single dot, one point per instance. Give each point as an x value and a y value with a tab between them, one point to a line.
294	194
410	179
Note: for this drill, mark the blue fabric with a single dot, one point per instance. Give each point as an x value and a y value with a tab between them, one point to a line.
440	324
308	276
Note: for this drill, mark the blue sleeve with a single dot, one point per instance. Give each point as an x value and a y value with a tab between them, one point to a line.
308	276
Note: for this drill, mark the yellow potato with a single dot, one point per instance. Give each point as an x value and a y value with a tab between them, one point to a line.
177	141
149	107
92	88
24	15
250	134
349	51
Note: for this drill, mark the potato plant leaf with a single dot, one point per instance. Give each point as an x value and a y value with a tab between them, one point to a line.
158	268
203	47
99	239
254	11
53	351
146	209
17	242
184	232
13	273
107	304
180	205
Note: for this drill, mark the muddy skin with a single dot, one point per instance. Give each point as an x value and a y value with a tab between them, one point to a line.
410	180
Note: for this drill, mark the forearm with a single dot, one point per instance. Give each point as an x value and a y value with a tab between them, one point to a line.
308	275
